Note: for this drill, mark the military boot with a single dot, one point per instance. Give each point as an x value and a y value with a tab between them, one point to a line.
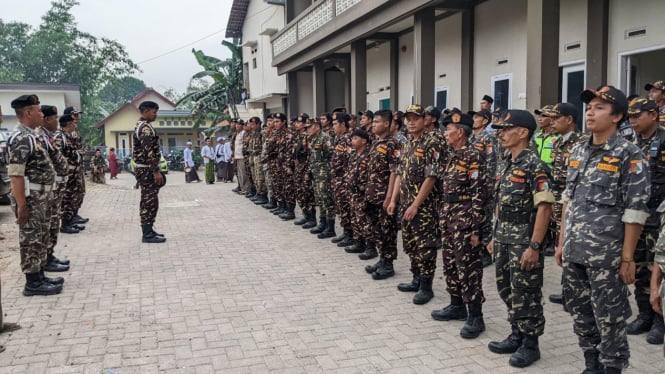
303	219
425	293
526	354
358	247
329	231
655	335
322	226
644	319
384	271
348	241
261	199
311	220
370	251
345	234
80	220
509	344
271	204
591	363
67	228
289	214
54	266
609	370
149	235
55	280
278	206
455	311
474	324
414	286
35	286
52	257
281	207
372	268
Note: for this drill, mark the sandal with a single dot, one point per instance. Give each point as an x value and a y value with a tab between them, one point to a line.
9	327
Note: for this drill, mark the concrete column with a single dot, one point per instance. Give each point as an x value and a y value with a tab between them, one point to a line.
468	28
394	74
290	103
319	87
596	42
423	57
542	58
358	76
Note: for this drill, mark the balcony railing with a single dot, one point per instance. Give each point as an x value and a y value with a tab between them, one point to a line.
310	20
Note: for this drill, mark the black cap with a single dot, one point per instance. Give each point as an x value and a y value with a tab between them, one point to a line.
488	98
499	112
25	101
517	118
280	116
609	94
65	119
642	104
49	110
361	133
484	113
433	111
73	110
341	117
368	113
657	84
302	117
415	109
241	121
562	110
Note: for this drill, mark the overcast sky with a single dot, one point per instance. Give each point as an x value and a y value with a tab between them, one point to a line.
147	29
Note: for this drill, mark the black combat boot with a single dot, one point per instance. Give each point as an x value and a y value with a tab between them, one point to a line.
347	241
329	231
591	364
370	251
289	214
609	370
384	270
425	293
78	226
54	266
474	324
67	228
455	311
281	206
35	286
655	335
526	354
149	235
509	344
311	220
303	219
414	286
79	220
250	194
271	204
345	234
357	247
261	199
322	226
51	257
644	319
55	280
372	268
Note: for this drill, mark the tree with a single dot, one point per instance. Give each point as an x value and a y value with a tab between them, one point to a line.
57	52
118	91
221	96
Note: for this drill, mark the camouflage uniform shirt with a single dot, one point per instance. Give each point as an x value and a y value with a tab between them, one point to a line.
146	146
382	160
28	157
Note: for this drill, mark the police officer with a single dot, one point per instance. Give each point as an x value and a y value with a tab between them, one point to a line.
416	178
524	206
146	156
32	176
605	207
650	138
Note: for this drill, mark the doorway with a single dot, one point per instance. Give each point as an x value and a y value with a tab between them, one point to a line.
502	91
573	82
639	67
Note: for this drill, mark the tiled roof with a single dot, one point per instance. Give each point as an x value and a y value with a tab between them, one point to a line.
237	18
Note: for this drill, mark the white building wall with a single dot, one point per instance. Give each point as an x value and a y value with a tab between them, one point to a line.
572	30
378	75
500	33
448	58
405	74
305	93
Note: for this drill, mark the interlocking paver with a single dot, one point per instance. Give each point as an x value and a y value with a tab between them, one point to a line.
236	290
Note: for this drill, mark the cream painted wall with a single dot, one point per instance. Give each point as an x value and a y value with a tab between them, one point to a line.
448	58
405	73
572	29
45	98
500	34
378	75
264	79
624	15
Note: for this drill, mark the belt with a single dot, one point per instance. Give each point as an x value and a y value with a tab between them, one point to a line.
455	198
40	187
142	166
515	217
71	167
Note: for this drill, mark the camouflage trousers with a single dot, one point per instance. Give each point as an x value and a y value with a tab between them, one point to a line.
419	239
80	181
149	204
358	215
342	201
34	234
73	195
520	290
304	191
644	257
55	212
289	188
323	194
258	176
462	266
382	231
248	173
598	301
276	181
488	223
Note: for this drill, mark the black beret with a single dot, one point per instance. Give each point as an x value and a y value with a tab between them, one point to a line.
280	116
361	133
25	101
65	119
302	117
488	99
49	110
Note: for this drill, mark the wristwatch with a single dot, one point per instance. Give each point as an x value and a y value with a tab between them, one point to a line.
536	246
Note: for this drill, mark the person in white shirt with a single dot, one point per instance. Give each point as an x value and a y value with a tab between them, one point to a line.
239	159
220	159
208	155
192	175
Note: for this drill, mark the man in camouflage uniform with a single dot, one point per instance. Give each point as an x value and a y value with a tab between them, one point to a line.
604	209
650	138
416	177
272	160
69	149
79	176
485	142
256	148
356	182
657	284
366	118
146	156
657	93
339	163
461	216
248	154
382	163
286	170
524	207
32	176
302	176
326	120
320	152
267	133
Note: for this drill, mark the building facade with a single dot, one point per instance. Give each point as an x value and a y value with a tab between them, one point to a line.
60	95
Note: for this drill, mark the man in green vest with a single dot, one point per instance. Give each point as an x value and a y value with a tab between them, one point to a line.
543	140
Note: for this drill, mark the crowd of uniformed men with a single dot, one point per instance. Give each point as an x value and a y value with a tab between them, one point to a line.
480	187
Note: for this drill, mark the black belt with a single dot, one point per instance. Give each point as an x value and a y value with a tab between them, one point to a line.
455	198
515	217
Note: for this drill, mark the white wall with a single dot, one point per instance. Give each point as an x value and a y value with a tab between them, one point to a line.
572	30
448	58
305	92
264	79
378	75
500	33
405	73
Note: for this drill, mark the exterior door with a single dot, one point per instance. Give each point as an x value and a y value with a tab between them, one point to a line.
573	82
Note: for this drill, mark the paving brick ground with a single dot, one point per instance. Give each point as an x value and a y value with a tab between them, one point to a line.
236	290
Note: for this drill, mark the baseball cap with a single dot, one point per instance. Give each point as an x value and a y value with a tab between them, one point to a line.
544	110
484	113
609	94
517	118
71	110
415	109
657	84
642	104
562	110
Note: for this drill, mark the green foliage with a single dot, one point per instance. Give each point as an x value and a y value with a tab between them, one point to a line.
57	52
118	91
